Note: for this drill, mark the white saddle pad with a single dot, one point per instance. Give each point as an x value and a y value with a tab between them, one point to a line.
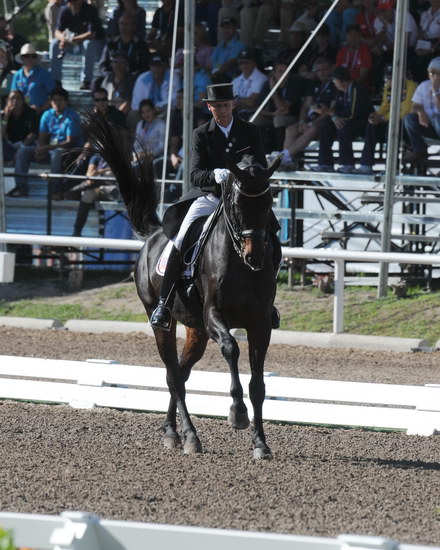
163	260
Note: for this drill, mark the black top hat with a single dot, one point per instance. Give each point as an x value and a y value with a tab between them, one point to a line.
219	92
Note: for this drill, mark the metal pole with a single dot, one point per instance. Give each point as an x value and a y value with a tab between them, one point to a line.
169	106
2	191
188	98
393	137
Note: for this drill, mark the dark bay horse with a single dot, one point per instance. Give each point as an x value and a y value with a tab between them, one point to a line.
235	280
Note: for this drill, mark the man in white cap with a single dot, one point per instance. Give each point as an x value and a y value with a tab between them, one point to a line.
424	118
35	82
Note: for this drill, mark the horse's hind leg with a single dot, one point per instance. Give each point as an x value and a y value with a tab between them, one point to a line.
238	416
193	350
166	345
258	339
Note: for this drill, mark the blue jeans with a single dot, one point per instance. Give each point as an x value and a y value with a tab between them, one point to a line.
90	50
416	131
26	155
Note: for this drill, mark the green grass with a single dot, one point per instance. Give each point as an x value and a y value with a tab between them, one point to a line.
302	308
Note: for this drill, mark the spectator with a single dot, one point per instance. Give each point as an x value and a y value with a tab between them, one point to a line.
315	107
59	131
34	81
137	14
202	49
111	113
355	56
223	64
321	47
78	26
20	124
338	21
247	86
92	191
424	118
349	114
365	19
428	45
128	42
255	19
284	106
150	130
13	39
310	16
154	85
297	37
384	27
201	81
118	83
51	13
377	126
5	60
159	39
288	12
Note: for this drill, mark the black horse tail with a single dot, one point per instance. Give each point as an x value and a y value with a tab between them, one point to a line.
133	172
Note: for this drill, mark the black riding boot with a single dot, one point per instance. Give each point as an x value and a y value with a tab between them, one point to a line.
161	316
81	217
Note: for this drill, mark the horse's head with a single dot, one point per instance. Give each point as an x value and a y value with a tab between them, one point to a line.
248	201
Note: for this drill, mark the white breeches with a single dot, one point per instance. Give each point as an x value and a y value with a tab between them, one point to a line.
202	206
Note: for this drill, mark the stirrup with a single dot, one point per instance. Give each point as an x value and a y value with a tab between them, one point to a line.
161	318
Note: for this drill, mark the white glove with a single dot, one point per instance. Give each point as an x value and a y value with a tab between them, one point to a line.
221	175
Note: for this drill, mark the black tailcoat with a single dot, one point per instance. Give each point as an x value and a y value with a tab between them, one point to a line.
209	148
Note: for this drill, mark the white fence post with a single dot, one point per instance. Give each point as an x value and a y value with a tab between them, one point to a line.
338	306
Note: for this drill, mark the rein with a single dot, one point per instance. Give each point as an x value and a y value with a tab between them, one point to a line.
236	234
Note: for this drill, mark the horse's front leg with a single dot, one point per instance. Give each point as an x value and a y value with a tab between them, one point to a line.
258	339
166	345
218	331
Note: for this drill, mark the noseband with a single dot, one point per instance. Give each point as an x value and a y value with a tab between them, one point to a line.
237	234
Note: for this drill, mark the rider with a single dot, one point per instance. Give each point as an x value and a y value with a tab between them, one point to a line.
225	132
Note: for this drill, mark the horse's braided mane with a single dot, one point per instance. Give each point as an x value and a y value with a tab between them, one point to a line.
134	172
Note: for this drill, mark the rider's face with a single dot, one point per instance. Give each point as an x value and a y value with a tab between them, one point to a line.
222	111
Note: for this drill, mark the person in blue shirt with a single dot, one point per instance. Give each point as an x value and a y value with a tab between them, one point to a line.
59	131
223	65
32	80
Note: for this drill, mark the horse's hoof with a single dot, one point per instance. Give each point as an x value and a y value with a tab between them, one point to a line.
239	421
192	447
171	442
262	453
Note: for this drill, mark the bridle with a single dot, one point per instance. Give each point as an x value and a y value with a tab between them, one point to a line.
236	233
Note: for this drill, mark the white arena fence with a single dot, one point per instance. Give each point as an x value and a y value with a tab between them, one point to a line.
82	531
102	383
339	257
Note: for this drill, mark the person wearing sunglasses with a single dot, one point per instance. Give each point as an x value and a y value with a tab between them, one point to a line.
32	80
424	118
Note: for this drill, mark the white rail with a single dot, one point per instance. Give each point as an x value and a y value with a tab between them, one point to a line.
82	531
339	257
87	384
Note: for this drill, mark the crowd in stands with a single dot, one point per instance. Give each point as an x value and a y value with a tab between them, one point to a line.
338	89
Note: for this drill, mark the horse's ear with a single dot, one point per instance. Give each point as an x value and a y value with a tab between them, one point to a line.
274	165
232	167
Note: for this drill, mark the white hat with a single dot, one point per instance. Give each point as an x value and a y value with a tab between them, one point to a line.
26	49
